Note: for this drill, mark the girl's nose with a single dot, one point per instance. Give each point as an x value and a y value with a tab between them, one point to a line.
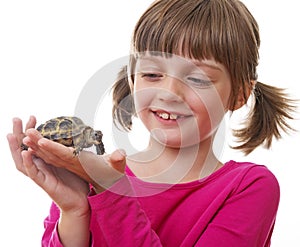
172	89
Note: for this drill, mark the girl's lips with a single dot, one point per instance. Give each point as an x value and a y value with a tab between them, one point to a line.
167	116
164	115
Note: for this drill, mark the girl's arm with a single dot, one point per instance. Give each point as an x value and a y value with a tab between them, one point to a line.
247	217
116	220
74	232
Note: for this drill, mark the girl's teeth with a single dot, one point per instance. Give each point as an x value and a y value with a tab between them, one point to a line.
167	116
173	116
164	115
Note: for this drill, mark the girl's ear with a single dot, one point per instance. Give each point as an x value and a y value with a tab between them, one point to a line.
243	95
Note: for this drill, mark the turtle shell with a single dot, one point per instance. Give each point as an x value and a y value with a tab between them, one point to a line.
71	132
62	128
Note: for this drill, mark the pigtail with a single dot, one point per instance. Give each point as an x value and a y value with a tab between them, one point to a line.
123	104
272	109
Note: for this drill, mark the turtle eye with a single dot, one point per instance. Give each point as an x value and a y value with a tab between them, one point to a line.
97	134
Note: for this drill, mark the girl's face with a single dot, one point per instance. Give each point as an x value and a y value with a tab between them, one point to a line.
180	101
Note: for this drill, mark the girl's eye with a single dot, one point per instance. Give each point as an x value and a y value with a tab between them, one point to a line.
199	82
152	76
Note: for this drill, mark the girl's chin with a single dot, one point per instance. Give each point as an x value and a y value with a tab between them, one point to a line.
173	138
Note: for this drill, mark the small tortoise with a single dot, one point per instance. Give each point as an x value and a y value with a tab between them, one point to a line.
71	132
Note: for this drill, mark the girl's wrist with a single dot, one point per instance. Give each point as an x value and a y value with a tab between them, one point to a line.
99	188
79	223
81	213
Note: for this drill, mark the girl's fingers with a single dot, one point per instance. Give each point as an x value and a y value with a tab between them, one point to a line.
13	143
103	170
31	169
59	155
31	123
43	146
15	150
38	171
32	138
17	126
63	152
18	130
29	143
33	134
118	160
56	153
53	153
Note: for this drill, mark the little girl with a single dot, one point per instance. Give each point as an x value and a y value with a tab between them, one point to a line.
191	63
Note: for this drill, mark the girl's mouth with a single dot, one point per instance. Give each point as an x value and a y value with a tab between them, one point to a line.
168	116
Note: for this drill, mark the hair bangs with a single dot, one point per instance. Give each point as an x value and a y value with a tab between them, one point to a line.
198	32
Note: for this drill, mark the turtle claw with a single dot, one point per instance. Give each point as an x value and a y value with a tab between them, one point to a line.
23	147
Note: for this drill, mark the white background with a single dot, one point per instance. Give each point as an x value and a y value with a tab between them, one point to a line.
50	49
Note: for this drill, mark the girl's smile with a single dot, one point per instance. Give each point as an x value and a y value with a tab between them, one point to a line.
169	118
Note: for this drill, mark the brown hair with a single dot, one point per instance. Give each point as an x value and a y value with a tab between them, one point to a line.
225	31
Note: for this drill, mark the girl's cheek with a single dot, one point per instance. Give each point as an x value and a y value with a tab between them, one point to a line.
143	98
212	105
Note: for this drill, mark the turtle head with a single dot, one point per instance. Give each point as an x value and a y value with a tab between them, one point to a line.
97	136
93	136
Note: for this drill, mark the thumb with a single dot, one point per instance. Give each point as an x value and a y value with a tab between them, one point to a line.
117	160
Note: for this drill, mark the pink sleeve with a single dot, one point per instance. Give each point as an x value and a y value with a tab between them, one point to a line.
119	217
50	237
115	218
247	218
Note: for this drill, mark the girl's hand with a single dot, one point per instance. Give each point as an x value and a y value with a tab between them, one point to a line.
58	171
101	171
65	177
57	182
15	140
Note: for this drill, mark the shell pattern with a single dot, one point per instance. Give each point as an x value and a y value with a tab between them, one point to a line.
72	132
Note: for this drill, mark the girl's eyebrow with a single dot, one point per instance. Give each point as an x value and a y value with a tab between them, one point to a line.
211	64
149	58
206	63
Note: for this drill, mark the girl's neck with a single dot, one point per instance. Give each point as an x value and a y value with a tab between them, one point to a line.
162	164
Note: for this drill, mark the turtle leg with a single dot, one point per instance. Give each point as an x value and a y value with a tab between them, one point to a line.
78	145
77	150
24	147
100	149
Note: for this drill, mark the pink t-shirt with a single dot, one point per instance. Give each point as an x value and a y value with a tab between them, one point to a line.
234	206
